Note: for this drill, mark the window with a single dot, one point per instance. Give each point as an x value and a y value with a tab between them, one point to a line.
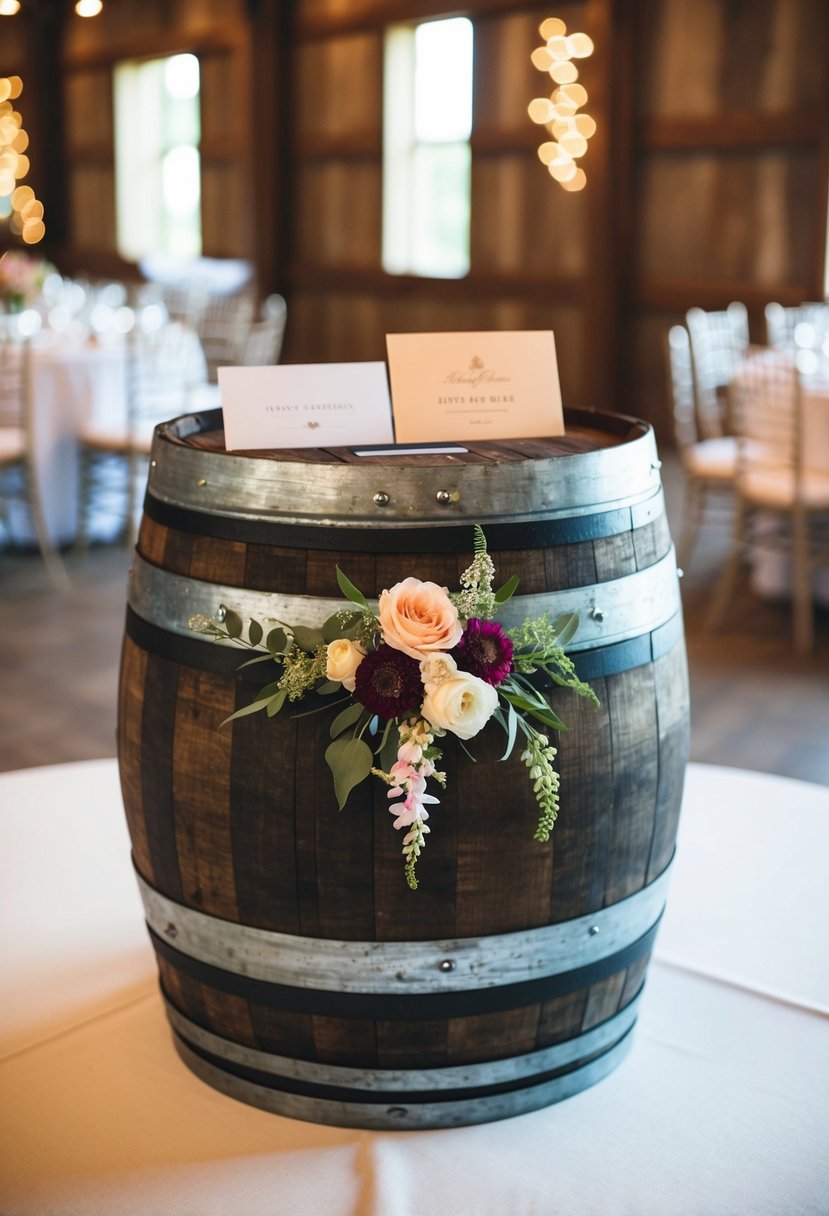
157	166
427	123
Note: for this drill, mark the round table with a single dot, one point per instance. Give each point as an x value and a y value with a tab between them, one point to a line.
720	1106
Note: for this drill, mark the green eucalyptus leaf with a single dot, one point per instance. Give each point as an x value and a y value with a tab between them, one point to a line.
276	702
566	627
347	717
511	729
277	641
260	658
350	761
308	639
350	591
233	623
328	688
332	629
255	632
507	591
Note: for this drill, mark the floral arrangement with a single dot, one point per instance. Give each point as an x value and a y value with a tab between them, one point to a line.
21	278
427	663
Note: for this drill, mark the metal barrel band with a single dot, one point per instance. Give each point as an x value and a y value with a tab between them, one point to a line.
511	1071
402	968
407	1115
527	534
406	1007
224	660
609	612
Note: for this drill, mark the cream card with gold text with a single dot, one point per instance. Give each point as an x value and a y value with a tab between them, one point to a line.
305	405
467	386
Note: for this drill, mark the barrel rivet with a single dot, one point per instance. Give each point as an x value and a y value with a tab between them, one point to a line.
446	964
597	614
397	1112
382	499
171	930
445	497
221	613
680	573
153	464
656	465
593	930
202	481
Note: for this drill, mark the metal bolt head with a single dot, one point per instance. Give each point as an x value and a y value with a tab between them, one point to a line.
444	497
202	481
221	613
382	499
593	930
446	964
397	1112
597	614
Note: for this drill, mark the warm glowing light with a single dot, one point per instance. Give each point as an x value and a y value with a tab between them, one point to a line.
33	210
16	86
571	131
562	168
552	27
34	232
541	110
576	94
5	88
564	72
579	46
21	197
22	167
577	182
88	8
9	7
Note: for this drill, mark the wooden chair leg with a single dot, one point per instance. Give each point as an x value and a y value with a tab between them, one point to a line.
802	611
728	579
692	510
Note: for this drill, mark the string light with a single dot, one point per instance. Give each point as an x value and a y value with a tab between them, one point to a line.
571	131
17	203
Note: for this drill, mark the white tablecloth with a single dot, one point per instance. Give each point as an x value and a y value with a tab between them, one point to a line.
720	1109
72	384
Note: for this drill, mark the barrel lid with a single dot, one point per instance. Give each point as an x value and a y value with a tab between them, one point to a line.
602	459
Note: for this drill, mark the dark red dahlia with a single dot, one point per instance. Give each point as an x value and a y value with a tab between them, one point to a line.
484	650
388	682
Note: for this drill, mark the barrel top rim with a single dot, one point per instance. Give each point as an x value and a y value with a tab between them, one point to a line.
625	428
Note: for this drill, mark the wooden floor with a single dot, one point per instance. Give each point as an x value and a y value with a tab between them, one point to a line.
754	704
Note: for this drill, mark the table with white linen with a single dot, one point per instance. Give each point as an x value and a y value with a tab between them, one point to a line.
720	1109
75	382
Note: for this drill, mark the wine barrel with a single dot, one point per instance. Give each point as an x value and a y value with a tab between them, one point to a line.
299	971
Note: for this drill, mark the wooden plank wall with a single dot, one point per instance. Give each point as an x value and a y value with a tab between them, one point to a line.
707	176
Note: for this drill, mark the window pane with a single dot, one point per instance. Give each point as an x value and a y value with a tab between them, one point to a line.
443	80
441	210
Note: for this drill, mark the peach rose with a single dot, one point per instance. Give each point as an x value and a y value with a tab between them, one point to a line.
419	618
463	704
342	658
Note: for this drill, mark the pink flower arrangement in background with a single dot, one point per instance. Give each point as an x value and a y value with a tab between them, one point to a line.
21	278
427	663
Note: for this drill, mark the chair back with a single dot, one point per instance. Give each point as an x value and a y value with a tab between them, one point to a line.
805	325
263	344
681	386
766	409
15	379
163	365
223	325
718	342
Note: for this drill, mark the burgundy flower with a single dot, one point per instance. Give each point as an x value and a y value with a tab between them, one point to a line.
485	651
388	682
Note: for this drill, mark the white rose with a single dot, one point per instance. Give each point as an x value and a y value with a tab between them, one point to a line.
463	704
435	669
342	658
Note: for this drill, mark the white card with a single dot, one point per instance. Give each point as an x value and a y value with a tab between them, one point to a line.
468	386
305	405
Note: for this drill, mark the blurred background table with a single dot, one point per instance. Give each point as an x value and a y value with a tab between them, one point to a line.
720	1107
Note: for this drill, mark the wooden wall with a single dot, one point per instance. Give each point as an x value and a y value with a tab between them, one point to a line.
707	176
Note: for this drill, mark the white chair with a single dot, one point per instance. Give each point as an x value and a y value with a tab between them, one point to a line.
263	343
719	340
163	367
708	465
223	325
780	503
18	466
782	325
